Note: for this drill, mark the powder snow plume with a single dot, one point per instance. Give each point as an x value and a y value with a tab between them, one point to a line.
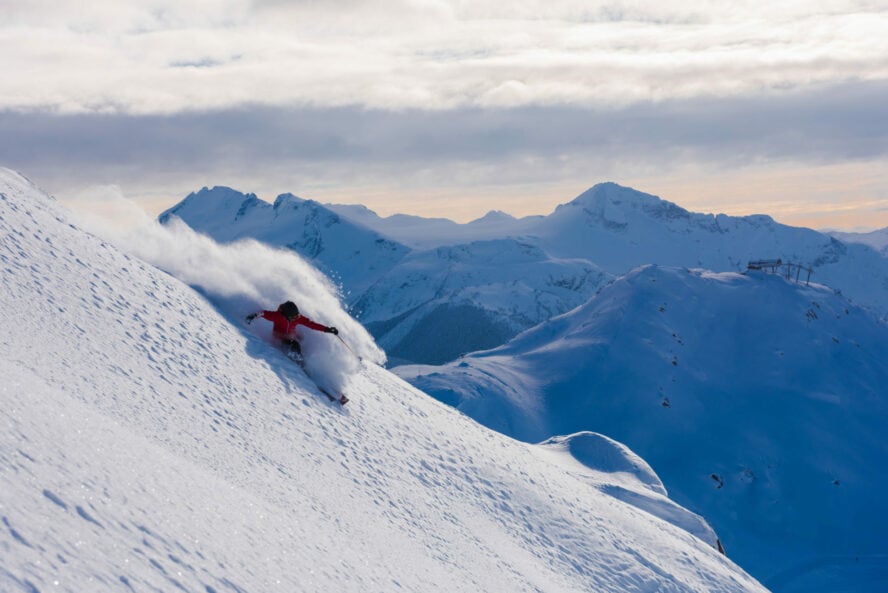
247	276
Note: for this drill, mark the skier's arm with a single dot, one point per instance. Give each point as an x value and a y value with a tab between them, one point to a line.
253	316
316	326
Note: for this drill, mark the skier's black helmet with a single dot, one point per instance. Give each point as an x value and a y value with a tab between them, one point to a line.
289	310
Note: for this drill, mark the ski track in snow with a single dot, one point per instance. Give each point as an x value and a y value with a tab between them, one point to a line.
150	444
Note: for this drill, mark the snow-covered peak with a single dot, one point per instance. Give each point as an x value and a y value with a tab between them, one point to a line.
351	253
609	191
612	202
288	200
494	216
429	233
208	204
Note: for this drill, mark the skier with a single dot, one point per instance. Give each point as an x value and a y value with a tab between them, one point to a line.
286	319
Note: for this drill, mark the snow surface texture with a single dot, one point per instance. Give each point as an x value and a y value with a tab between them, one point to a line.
151	444
761	402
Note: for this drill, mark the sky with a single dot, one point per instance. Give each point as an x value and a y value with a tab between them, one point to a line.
453	108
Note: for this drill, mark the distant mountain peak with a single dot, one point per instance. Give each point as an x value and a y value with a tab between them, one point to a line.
611	194
210	202
494	216
608	190
219	192
288	198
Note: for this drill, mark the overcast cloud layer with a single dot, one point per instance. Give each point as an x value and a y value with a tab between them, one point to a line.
467	105
164	56
821	124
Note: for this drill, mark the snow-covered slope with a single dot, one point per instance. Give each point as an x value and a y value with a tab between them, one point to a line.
439	304
150	443
762	403
351	254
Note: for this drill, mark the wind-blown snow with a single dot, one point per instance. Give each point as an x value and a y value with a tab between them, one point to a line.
246	276
151	442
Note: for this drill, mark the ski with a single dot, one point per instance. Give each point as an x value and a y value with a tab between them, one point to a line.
341	399
299	360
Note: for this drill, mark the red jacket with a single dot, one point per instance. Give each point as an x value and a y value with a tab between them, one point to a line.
285	329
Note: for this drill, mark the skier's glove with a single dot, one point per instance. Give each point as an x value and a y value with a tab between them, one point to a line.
333	330
251	317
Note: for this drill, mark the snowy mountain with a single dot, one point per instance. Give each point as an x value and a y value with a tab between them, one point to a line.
761	403
153	442
610	229
878	240
429	233
618	228
449	301
349	253
427	306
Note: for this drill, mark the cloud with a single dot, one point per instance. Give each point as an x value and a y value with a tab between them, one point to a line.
462	162
823	124
164	57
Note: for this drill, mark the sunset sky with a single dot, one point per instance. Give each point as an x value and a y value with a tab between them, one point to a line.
453	108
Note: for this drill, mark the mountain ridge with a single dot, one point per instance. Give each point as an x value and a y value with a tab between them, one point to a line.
612	228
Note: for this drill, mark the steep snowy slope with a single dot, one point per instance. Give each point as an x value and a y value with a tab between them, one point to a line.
439	304
151	444
351	254
762	404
